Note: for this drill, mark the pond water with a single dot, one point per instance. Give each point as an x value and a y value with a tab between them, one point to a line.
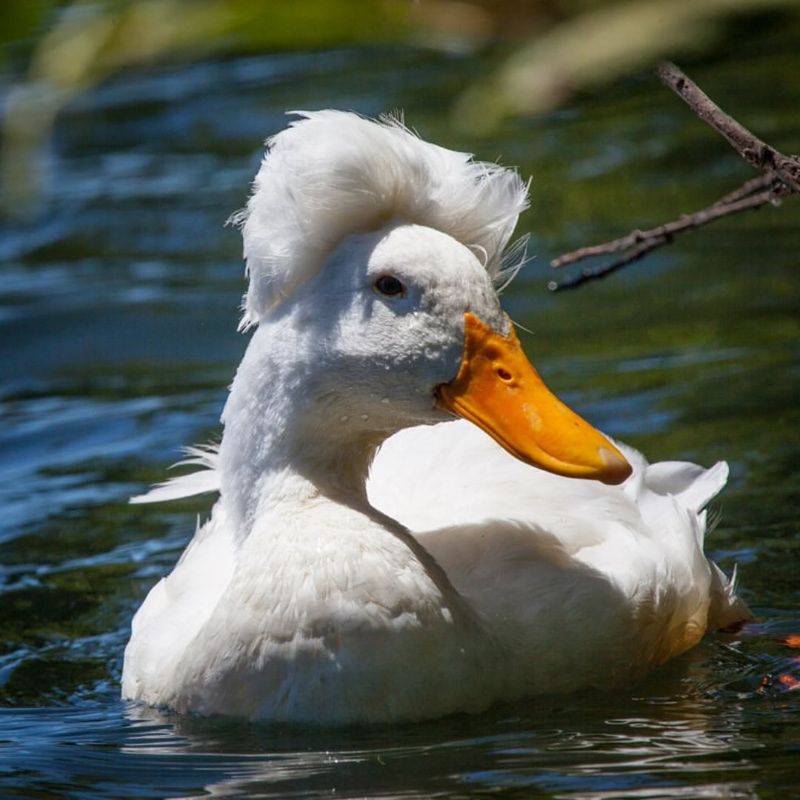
118	310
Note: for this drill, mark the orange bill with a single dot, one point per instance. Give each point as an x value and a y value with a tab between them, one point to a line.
498	390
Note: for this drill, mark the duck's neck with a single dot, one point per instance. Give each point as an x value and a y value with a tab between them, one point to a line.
318	567
282	443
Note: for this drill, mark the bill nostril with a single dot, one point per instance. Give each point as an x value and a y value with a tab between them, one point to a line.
503	374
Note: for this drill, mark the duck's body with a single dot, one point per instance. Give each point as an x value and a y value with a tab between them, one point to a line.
456	575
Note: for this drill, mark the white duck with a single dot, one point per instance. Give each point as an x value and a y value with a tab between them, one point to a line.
459	573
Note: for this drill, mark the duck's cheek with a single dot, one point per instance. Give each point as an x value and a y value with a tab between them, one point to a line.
499	390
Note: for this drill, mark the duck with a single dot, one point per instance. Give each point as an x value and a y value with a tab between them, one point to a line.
408	522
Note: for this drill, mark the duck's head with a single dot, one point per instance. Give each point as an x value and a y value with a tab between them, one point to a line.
373	258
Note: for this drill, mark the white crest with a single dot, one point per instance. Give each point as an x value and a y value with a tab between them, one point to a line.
332	173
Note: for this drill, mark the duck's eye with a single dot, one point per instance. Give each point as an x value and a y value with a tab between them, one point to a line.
389	286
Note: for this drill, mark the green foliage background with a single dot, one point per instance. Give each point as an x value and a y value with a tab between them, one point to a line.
544	50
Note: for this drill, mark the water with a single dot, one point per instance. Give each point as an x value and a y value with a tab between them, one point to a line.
118	308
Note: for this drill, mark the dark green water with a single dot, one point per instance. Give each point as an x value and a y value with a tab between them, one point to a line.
118	308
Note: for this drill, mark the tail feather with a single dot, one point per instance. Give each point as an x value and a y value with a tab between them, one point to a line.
726	608
693	486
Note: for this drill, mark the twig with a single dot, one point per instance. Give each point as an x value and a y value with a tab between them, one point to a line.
595	273
752	186
643	242
780	177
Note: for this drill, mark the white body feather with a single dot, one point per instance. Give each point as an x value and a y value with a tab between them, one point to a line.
455	576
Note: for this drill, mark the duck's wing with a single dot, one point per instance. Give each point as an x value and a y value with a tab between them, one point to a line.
494	522
450	474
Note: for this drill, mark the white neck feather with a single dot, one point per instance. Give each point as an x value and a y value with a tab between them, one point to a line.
277	447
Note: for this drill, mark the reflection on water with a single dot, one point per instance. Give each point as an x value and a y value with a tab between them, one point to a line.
669	738
118	309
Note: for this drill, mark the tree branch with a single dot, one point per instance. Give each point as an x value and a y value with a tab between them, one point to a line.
752	149
780	177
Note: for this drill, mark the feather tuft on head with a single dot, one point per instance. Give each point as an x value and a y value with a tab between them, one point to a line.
331	174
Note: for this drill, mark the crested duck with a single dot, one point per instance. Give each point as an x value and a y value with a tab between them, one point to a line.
369	558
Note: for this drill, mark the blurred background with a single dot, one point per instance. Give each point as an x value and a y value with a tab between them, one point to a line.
131	130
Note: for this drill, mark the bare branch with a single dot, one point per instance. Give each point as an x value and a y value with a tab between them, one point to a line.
593	274
752	149
780	177
643	242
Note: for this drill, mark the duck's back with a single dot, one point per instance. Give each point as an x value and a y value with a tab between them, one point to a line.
588	584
